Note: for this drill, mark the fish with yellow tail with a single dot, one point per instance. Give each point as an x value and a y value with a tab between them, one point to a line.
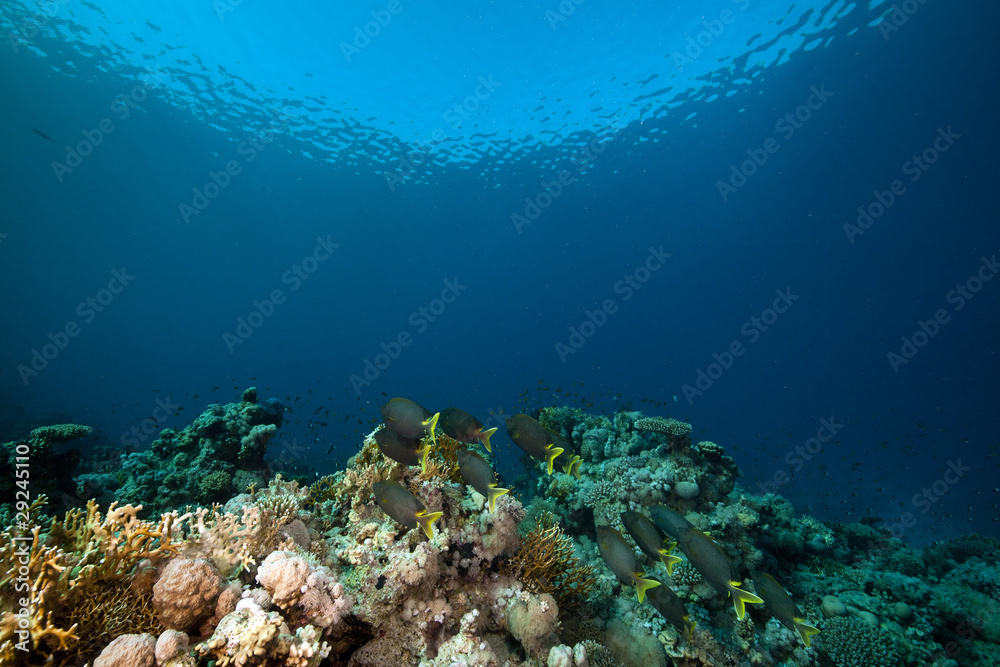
403	450
478	474
706	557
405	508
781	606
672	608
409	419
621	560
531	437
569	461
462	426
650	540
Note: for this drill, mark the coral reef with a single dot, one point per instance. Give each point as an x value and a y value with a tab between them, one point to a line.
220	454
306	576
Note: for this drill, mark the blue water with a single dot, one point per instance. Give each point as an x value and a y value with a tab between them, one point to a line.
357	188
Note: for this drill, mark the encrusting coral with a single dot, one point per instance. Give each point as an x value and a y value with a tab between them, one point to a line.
289	575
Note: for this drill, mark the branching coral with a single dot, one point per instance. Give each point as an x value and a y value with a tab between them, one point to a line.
546	563
83	555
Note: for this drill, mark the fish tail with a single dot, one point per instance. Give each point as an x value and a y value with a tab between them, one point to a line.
741	598
573	467
805	630
422	453
669	560
643	585
689	626
426	520
551	454
430	424
484	437
494	493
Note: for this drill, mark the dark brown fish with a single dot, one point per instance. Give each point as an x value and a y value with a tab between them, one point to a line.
465	428
669	521
404	450
405	508
650	540
781	605
621	560
478	474
706	557
665	601
409	419
531	437
43	135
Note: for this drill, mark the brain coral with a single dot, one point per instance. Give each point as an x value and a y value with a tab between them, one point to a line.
186	592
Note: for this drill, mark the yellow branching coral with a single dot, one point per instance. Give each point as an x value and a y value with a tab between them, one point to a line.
545	563
80	557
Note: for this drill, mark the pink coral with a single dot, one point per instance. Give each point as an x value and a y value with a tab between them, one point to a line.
295	586
128	651
186	592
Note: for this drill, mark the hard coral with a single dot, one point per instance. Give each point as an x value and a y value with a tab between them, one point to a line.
186	592
190	466
852	642
306	593
129	651
546	563
81	557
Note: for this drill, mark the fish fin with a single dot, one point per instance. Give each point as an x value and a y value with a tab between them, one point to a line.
669	548
495	492
643	585
430	424
669	560
484	437
422	453
741	597
426	520
573	462
805	630
551	454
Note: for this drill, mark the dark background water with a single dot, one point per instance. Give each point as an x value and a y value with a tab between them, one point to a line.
653	184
